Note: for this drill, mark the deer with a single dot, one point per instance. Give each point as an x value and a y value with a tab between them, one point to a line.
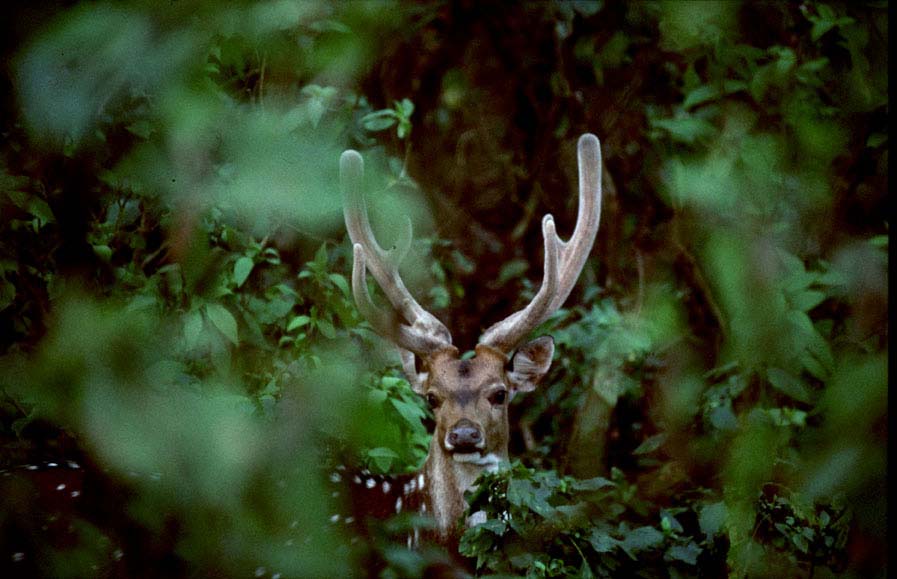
469	397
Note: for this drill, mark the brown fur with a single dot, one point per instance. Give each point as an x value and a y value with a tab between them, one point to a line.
463	389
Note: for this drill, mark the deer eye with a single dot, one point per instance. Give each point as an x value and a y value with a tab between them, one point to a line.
498	397
432	400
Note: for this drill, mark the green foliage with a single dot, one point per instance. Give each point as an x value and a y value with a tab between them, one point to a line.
404	443
540	524
177	315
399	115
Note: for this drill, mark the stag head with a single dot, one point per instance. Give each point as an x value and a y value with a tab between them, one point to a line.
469	397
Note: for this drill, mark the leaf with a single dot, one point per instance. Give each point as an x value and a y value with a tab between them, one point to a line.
812	365
876	140
700	95
315	108
404	108
602	541
142	128
800	542
7	293
524	493
382	458
379	120
592	484
339	281
222	319
511	270
321	258
393	382
651	444
807	300
377	397
587	7
412	413
688	554
669	522
403	129
39	208
242	269
712	519
687	130
329	26
104	252
495	526
723	418
326	328
298	322
788	384
192	329
641	539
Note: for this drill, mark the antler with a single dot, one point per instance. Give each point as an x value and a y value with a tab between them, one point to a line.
563	260
423	333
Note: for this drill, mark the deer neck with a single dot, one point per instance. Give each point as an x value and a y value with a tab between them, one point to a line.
448	479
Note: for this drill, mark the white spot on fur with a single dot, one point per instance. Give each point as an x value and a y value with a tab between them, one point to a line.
490	462
477	518
399	505
334	518
335	477
370	483
421	480
386	487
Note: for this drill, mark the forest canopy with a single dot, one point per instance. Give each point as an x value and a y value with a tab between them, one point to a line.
182	360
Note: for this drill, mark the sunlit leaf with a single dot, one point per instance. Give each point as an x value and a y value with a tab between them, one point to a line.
298	322
224	321
242	269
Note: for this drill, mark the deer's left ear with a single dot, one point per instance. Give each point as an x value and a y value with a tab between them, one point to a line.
530	364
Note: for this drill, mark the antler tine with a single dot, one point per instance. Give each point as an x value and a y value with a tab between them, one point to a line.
572	254
423	333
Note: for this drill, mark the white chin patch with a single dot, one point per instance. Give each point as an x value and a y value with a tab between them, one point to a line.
490	461
469	457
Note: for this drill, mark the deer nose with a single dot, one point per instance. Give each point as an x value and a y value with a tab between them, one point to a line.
465	437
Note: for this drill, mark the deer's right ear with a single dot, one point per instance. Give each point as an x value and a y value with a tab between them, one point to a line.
415	378
530	364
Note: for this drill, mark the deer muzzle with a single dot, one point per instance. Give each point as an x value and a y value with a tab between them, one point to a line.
464	437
